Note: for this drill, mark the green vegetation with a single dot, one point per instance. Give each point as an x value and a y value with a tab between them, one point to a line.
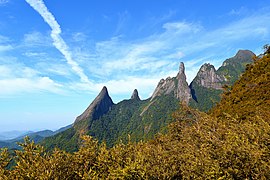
206	98
133	117
67	140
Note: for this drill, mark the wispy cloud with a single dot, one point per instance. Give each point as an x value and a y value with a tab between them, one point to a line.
4	39
26	85
3	2
122	20
190	42
36	39
34	54
5	48
58	41
17	79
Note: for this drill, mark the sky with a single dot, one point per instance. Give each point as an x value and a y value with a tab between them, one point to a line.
56	55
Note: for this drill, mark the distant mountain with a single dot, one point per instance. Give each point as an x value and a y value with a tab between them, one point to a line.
12	134
35	136
142	119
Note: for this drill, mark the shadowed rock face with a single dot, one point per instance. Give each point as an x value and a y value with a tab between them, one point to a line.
100	106
176	85
135	95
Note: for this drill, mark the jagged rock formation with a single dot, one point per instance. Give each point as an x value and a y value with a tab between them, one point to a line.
207	85
176	85
142	119
183	91
208	77
100	106
135	95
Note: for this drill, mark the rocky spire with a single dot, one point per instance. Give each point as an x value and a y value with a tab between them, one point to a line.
176	85
183	91
181	68
135	95
101	105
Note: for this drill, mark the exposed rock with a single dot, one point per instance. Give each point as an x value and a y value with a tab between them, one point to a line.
208	77
207	85
135	95
100	106
176	85
183	91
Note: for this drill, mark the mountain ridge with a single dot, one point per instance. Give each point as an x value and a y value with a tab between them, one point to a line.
142	119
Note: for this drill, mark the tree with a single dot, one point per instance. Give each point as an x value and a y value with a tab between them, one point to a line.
266	49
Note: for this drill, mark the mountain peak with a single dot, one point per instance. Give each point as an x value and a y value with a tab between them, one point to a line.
244	54
176	85
104	92
135	95
101	105
182	68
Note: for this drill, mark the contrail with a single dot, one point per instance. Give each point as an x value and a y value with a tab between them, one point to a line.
58	41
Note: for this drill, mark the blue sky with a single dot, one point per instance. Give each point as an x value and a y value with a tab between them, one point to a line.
55	56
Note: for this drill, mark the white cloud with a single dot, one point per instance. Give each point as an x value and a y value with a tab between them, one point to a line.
26	85
124	86
3	2
117	61
16	79
58	42
36	39
79	36
54	68
5	48
181	41
4	39
34	54
181	27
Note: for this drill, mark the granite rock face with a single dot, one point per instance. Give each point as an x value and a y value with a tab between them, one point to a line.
176	85
208	77
183	91
206	87
100	106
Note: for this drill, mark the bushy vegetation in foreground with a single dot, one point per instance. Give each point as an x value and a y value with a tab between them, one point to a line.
233	142
210	148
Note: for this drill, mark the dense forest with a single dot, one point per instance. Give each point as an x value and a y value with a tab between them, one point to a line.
232	141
